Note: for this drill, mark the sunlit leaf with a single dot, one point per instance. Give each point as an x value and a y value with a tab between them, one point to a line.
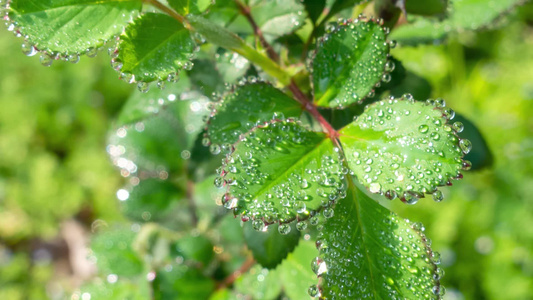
348	63
463	15
185	7
280	171
295	273
231	66
339	5
368	252
70	26
278	17
154	47
260	283
248	106
270	247
475	14
404	148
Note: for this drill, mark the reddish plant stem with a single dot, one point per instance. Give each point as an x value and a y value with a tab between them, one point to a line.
245	11
167	10
312	109
228	281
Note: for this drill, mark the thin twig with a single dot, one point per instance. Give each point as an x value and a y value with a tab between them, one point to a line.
228	281
192	204
167	10
245	11
310	107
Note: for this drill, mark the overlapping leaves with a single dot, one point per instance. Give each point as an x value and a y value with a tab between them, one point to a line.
246	107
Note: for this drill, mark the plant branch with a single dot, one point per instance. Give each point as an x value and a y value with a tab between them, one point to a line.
228	281
310	107
245	11
192	204
229	40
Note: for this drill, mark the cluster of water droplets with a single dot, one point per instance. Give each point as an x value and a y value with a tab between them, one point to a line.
369	56
260	188
402	263
31	45
414	149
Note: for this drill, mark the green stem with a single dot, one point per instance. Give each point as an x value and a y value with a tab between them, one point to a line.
245	11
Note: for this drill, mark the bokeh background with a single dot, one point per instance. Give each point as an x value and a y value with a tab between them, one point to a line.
57	183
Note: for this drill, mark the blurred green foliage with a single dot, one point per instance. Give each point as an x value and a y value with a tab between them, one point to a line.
54	167
53	163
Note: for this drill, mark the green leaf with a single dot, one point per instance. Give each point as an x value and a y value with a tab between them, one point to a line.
114	254
141	105
277	17
259	283
339	5
420	30
280	171
248	106
405	148
295	273
314	8
206	78
118	289
166	124
270	247
231	66
348	63
463	15
194	248
426	7
71	26
216	34
185	7
178	281
154	47
150	200
368	252
475	14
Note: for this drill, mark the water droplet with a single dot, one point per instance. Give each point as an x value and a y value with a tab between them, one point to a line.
465	145
313	291
258	225
143	87
46	60
438	196
423	128
28	49
458	127
214	149
284	229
